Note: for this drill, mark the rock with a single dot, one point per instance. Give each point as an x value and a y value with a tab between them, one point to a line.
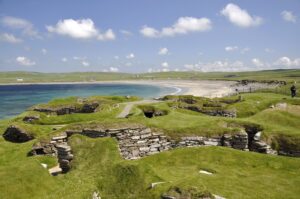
156	183
168	197
281	105
55	170
218	197
205	172
31	118
44	165
96	195
16	134
240	140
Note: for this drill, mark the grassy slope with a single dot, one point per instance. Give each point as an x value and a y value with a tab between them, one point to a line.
98	166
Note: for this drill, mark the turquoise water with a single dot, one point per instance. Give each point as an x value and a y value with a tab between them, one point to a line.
17	98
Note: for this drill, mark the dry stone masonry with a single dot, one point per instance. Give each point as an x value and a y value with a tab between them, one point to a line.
138	141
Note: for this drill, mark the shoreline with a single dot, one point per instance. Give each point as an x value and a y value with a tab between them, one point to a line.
204	88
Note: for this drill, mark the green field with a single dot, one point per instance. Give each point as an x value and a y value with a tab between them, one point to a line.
99	167
35	77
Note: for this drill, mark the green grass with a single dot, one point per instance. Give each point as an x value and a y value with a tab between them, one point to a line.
97	165
283	75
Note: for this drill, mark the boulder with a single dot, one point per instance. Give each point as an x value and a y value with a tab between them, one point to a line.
16	134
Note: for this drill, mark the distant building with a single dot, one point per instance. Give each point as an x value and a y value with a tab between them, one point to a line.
19	80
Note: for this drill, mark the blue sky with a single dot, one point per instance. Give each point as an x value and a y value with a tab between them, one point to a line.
149	35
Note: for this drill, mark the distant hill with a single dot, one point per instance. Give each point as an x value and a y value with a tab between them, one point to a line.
289	75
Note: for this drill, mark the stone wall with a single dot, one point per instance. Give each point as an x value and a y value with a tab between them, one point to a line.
236	141
137	142
69	109
134	142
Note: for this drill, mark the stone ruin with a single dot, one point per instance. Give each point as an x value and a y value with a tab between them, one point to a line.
16	134
139	141
88	107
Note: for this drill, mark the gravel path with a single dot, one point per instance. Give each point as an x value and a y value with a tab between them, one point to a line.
129	106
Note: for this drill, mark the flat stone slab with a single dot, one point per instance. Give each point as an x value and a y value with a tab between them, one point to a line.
156	183
205	172
55	170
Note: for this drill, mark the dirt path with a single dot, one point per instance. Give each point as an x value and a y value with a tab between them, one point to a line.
129	106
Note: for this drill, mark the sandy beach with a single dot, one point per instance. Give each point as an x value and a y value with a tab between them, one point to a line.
204	88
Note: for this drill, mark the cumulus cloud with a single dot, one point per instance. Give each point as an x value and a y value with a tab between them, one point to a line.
163	51
257	62
288	16
10	38
183	25
19	23
165	64
165	70
287	62
64	59
231	48
85	63
113	69
217	66
116	57
130	56
80	29
240	17
25	61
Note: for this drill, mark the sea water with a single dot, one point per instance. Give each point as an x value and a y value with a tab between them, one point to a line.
14	99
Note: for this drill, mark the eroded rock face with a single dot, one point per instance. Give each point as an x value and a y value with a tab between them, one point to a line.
16	134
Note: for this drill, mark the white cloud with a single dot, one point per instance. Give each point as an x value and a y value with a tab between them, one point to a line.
116	57
79	58
231	48
126	32
163	51
25	61
64	59
240	17
257	62
149	32
44	51
183	25
113	69
288	16
165	64
130	56
287	62
10	38
218	66
85	63
19	23
244	50
108	35
80	29
165	70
